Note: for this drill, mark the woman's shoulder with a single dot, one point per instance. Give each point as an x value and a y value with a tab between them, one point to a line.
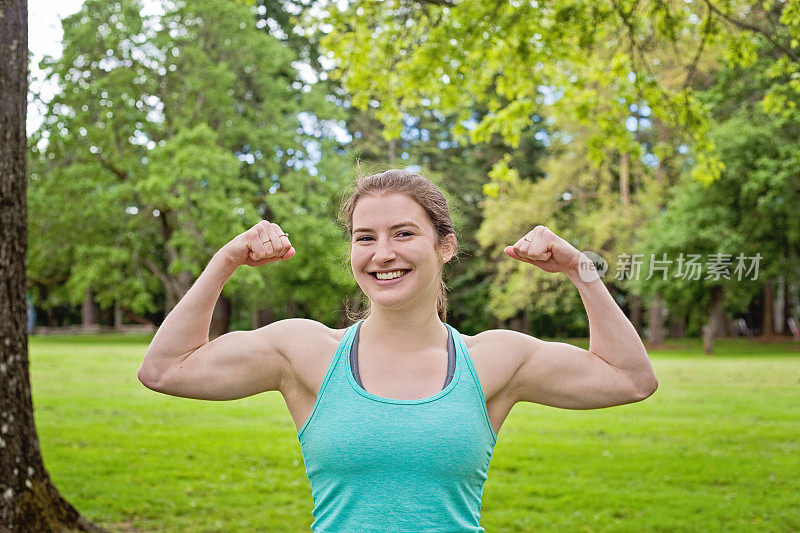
496	360
490	340
308	346
299	334
501	349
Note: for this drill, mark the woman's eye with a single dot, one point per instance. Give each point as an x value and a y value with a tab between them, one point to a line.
368	237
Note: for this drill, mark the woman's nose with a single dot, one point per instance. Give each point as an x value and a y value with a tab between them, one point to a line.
384	251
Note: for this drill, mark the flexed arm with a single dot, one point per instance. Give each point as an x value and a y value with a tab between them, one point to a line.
615	369
180	359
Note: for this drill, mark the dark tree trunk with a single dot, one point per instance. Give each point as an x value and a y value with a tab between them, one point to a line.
262	317
768	324
655	321
636	313
52	322
677	326
716	320
527	323
89	314
28	499
117	316
136	319
792	303
220	318
780	306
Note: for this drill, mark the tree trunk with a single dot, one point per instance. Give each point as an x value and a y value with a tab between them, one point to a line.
780	306
136	319
52	322
655	321
118	316
28	499
262	317
677	326
793	301
175	286
527	323
220	318
636	312
768	324
716	320
89	314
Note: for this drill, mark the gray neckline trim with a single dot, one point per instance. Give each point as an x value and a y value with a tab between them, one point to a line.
451	358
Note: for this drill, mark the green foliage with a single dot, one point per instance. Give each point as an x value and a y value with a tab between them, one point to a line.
750	210
318	277
170	135
573	61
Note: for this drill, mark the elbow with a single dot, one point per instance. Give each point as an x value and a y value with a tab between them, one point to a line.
147	379
646	387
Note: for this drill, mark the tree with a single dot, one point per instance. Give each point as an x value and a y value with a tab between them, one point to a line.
28	499
171	134
587	67
583	71
750	210
565	58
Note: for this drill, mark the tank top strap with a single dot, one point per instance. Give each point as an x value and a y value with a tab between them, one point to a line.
342	352
461	347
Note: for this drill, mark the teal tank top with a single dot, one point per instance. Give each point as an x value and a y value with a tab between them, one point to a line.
379	464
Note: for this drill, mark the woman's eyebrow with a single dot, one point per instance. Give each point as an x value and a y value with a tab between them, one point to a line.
400	225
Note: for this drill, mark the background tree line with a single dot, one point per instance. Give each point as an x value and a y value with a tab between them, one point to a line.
625	126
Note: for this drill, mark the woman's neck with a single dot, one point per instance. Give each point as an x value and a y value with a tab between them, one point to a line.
409	331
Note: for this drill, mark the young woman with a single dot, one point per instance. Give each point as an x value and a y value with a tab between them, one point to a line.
398	414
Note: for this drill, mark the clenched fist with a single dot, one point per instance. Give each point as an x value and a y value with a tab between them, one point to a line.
263	243
546	250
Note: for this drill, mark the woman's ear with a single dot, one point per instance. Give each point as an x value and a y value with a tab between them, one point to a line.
449	247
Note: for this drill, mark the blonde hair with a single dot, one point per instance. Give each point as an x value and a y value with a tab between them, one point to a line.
419	189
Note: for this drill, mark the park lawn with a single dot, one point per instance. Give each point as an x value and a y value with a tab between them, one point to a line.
717	447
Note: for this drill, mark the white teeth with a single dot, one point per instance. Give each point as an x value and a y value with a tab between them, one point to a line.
390	275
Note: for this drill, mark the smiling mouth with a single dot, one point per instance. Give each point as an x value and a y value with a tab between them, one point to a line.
394	274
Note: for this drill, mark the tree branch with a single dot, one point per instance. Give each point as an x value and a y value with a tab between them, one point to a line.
692	68
755	29
108	166
152	267
445	3
635	50
133	317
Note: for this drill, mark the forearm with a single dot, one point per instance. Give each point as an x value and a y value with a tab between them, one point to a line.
186	327
611	335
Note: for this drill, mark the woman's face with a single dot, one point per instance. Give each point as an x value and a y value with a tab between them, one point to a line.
394	252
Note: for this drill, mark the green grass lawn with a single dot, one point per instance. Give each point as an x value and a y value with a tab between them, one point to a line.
716	448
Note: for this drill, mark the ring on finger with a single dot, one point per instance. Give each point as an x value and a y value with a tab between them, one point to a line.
526	239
